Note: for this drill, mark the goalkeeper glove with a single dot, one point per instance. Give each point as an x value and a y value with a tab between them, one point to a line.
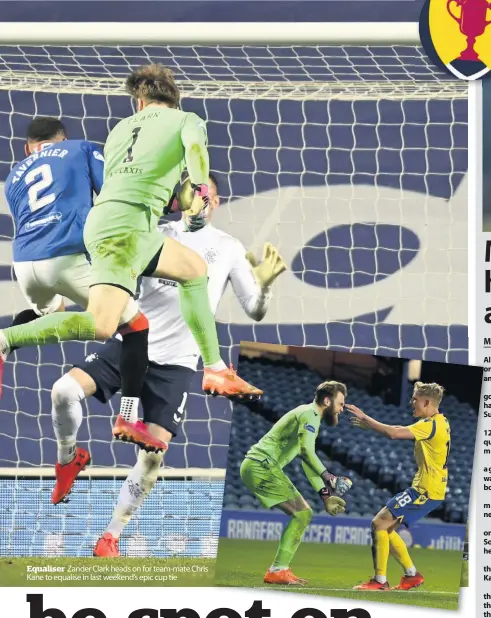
191	199
201	199
332	504
270	268
336	485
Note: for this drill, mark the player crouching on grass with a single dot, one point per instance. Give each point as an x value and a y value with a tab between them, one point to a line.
173	357
294	435
432	446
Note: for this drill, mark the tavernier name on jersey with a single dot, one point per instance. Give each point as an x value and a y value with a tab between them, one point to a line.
49	195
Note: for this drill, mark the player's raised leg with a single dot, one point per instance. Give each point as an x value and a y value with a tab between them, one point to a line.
183	265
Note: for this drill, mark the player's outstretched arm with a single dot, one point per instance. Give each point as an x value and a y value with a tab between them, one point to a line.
197	161
251	289
363	421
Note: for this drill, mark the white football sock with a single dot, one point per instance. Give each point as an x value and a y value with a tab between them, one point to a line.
411	572
135	489
66	413
381	579
275	569
129	409
219	366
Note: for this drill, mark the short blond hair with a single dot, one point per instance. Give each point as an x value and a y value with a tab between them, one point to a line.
432	391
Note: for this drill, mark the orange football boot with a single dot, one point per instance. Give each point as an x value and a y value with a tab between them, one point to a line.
107	547
137	433
227	383
372	584
410	581
67	473
284	577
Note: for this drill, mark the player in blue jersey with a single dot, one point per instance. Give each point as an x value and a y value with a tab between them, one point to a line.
49	195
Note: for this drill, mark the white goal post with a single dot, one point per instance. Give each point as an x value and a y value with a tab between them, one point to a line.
210	33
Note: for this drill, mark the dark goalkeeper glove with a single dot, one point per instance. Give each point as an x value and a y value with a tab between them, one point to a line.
336	485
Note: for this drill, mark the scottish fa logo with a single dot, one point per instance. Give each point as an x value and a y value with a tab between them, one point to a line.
456	35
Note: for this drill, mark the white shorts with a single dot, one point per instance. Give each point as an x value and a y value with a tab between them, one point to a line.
44	283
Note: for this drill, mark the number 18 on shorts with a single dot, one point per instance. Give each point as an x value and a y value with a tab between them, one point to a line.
409	506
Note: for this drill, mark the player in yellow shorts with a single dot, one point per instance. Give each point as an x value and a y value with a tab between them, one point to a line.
145	156
431	434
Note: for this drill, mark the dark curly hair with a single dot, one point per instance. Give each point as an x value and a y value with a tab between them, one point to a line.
44	128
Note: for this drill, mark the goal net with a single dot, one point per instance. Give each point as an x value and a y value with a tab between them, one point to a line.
351	160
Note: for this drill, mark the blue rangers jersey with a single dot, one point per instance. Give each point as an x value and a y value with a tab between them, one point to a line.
49	195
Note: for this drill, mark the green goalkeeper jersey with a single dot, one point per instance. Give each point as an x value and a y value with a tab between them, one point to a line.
146	154
294	435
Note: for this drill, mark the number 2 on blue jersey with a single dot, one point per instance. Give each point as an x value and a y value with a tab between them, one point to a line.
37	180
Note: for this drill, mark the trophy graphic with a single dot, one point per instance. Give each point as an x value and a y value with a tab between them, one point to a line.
472	22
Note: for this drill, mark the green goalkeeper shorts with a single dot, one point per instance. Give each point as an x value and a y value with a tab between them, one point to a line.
267	482
121	242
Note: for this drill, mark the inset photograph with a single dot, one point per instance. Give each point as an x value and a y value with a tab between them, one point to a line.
350	477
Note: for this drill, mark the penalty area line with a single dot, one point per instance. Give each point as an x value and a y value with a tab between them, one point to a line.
286	587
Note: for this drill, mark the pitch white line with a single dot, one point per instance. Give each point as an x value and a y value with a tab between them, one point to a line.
275	587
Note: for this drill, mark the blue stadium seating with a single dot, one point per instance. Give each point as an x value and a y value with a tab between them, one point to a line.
378	467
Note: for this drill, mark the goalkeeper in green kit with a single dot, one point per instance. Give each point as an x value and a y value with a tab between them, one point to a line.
294	435
145	156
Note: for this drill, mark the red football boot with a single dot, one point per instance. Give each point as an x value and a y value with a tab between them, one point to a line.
137	433
67	473
284	577
410	581
227	383
107	547
372	584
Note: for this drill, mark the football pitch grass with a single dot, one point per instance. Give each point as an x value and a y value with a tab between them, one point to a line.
104	572
332	570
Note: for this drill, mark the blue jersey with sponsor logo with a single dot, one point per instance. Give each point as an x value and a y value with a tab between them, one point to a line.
49	195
